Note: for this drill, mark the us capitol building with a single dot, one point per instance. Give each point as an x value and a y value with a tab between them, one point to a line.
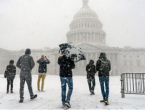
85	32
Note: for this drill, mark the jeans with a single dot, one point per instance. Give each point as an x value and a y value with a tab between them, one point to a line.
41	75
64	81
25	76
9	82
105	93
91	83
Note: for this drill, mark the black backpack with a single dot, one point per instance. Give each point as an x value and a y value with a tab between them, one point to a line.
104	66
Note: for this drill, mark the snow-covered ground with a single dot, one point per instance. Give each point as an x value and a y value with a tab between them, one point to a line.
51	98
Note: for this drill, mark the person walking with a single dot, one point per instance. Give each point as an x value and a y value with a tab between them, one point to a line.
65	72
26	63
91	70
10	73
42	71
103	66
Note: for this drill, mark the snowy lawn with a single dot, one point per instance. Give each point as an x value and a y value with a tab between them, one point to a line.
51	98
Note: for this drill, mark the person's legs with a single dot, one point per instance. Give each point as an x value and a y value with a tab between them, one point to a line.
43	78
93	84
70	86
11	85
107	87
29	84
63	89
22	83
89	84
38	82
8	83
101	79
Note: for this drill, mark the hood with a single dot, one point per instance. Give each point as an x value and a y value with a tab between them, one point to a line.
27	52
11	62
91	62
102	56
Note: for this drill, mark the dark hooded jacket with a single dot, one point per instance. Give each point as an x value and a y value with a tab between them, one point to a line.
91	70
26	62
43	65
103	66
10	71
66	66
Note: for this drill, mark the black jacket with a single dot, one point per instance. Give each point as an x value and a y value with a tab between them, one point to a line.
10	72
103	72
91	70
26	62
43	65
66	66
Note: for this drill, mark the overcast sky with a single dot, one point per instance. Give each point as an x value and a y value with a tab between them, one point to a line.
44	23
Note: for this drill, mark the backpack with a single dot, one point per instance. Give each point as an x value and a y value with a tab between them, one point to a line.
105	66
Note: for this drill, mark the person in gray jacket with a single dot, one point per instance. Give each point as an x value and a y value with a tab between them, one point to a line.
26	64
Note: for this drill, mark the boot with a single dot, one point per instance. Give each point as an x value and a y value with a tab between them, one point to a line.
93	92
21	100
12	91
106	102
67	104
102	101
34	96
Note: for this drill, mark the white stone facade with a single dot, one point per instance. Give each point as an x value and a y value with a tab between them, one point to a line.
85	32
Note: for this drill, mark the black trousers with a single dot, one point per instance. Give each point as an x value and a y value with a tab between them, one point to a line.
10	82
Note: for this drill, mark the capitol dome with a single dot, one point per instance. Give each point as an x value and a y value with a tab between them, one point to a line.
86	28
85	12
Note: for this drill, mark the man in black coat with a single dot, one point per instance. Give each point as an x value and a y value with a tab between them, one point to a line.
65	72
10	75
42	71
91	70
26	64
103	67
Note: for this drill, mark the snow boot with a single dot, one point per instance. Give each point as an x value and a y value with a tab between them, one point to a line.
92	93
106	102
67	104
12	91
21	100
34	96
102	101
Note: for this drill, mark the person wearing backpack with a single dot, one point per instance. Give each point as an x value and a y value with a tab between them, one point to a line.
91	70
10	73
103	66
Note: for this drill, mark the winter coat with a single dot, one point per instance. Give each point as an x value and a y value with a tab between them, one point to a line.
91	70
26	62
103	66
43	65
10	72
66	66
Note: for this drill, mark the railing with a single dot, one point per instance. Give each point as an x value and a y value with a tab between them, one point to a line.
132	83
